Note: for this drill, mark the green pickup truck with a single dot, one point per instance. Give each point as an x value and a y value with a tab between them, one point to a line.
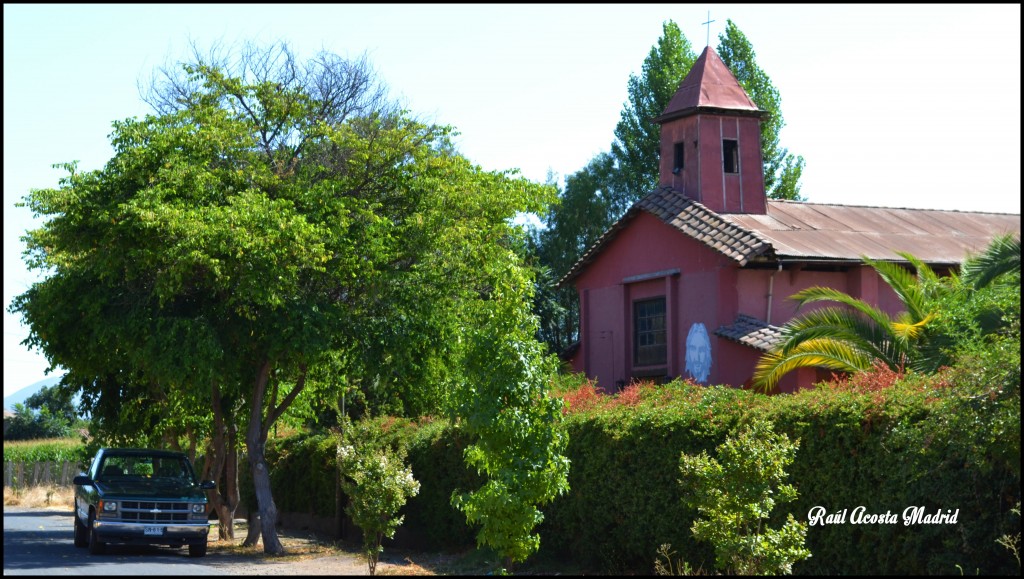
141	496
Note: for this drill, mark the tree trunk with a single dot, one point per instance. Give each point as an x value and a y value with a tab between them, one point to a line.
214	466
255	441
252	537
233	494
226	521
223	468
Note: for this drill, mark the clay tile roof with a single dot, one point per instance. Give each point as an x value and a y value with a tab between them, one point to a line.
701	223
689	217
709	85
751	332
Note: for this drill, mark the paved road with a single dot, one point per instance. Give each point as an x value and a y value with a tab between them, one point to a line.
40	542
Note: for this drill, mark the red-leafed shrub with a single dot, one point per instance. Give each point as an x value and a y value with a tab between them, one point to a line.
582	398
879	377
632	393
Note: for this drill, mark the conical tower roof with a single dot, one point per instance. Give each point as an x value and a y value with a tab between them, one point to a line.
709	87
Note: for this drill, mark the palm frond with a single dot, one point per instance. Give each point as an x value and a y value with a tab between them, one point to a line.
850	338
906	285
932	286
818	353
1000	257
820	294
843	325
906	329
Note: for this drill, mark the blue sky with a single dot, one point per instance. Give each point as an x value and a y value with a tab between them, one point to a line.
890	105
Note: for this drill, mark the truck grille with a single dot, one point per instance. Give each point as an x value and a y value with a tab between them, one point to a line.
154	512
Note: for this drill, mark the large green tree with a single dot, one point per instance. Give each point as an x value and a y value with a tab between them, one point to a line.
56	401
273	219
49	413
579	219
782	169
637	145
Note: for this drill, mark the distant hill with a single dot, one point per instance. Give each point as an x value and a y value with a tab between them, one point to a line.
22	395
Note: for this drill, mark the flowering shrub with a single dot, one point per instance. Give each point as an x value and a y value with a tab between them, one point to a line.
879	377
586	397
378	485
583	398
630	395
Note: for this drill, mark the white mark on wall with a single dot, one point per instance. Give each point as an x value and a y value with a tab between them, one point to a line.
698	353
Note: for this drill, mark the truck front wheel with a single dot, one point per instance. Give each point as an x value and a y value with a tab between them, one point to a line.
81	533
96	546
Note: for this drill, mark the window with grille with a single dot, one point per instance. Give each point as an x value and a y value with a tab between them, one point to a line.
649	336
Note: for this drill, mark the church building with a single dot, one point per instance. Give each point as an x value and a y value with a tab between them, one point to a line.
693	280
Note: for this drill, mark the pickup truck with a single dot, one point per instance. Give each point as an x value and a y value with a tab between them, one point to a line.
141	496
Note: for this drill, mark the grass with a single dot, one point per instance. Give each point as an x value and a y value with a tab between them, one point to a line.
40	497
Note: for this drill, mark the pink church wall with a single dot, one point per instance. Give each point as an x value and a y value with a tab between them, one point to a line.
603	339
728	128
648	245
702	177
711	182
682	131
752	175
860	282
741	361
708	289
704	291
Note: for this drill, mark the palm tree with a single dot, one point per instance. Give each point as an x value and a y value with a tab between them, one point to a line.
1002	256
851	337
982	302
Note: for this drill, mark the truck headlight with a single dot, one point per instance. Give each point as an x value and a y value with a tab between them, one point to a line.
198	508
108	506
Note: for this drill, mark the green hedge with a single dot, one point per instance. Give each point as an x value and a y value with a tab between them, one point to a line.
304	467
946	442
908	445
436	457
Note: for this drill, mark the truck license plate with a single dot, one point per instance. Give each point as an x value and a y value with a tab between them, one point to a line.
152	531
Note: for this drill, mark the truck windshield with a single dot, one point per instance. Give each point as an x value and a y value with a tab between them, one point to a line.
146	467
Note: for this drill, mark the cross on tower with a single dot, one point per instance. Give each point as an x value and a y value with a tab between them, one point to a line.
708	24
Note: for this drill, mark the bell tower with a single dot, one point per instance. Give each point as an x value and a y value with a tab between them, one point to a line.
711	140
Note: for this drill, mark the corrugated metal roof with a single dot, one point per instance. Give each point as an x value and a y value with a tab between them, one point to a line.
801	231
